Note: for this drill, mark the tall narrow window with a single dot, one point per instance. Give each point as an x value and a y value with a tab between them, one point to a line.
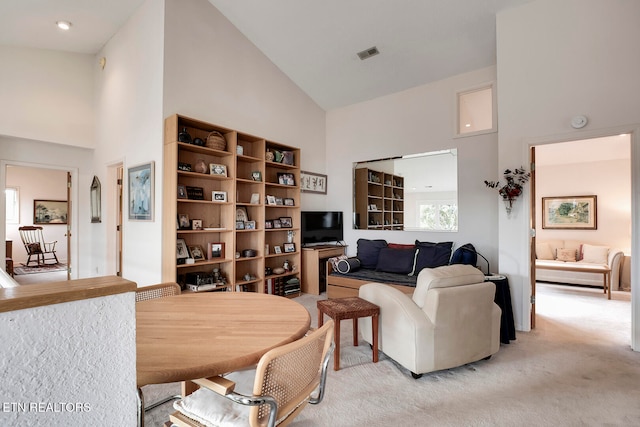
475	110
12	196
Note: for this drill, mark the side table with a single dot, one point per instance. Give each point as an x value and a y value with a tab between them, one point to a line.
349	308
503	299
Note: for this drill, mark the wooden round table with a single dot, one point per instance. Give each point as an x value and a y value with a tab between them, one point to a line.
190	336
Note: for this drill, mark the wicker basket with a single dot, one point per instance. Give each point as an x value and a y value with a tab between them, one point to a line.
216	141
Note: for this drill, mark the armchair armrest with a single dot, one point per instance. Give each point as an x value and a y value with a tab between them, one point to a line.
614	260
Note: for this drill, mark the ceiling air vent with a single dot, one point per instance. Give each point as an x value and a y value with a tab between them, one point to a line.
368	53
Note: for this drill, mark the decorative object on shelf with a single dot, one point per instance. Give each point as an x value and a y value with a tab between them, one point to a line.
311	182
197	252
141	192
182	252
512	188
196	224
201	166
268	224
285	264
256	176
182	192
290	235
276	250
184	136
271	200
277	223
239	150
198	141
289	247
195	193
278	270
215	250
249	253
279	201
269	156
217	169
289	201
219	196
185	167
286	222
255	199
239	225
95	196
241	214
277	156
250	225
183	221
287	158
286	178
216	141
570	213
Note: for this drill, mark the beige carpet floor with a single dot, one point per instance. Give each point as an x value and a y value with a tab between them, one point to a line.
575	369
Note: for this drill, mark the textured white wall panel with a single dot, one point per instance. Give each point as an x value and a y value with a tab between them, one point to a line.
69	364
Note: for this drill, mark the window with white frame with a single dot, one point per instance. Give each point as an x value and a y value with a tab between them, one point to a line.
475	111
438	215
12	196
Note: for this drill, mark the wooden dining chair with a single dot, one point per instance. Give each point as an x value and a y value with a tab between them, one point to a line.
285	380
145	293
33	240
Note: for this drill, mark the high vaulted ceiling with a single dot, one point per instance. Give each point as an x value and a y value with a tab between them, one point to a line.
313	42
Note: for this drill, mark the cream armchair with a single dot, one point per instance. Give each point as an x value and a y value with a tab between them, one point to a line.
450	320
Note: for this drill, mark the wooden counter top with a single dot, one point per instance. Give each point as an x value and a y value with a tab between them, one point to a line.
37	295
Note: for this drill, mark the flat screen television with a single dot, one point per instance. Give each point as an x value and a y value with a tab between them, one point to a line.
321	227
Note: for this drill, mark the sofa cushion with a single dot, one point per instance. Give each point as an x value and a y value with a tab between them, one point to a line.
368	251
392	260
543	251
431	255
445	277
401	245
595	254
567	255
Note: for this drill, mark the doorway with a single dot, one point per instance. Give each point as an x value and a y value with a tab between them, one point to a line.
36	189
596	166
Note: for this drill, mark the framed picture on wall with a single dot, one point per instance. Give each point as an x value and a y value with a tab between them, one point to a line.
570	213
141	192
50	211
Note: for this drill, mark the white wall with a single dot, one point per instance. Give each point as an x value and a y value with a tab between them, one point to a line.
37	184
47	96
80	352
414	121
557	59
609	180
213	73
129	130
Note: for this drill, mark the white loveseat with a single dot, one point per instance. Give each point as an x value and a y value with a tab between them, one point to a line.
577	253
450	320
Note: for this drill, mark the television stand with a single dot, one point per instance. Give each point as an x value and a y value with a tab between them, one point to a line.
314	267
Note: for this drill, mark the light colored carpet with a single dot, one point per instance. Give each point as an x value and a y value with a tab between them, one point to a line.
575	369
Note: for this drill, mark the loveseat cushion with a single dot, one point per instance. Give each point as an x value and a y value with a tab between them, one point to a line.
567	255
432	255
595	254
543	251
445	277
392	260
368	252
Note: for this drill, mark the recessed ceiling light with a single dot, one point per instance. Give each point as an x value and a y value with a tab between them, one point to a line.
63	25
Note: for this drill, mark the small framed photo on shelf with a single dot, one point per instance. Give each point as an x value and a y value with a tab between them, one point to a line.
216	250
271	200
196	224
289	247
197	253
286	178
217	169
195	193
279	201
277	223
289	201
256	176
182	192
183	222
185	167
286	222
219	196
277	250
255	199
182	252
239	225
268	224
250	225
287	157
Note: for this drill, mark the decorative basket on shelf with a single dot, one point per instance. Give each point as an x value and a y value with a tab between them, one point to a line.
216	141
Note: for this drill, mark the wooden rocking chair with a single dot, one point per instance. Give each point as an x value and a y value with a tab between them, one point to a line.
34	244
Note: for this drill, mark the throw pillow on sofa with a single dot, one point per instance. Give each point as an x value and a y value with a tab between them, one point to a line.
431	255
392	260
368	251
595	254
567	255
543	251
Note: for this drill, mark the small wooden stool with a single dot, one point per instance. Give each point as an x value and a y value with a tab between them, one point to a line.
349	308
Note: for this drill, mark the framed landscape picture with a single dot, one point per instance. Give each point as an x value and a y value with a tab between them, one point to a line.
50	211
570	213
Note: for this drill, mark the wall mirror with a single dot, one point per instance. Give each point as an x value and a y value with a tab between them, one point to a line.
415	192
95	192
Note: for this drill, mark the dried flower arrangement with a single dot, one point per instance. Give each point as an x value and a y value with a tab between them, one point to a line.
512	189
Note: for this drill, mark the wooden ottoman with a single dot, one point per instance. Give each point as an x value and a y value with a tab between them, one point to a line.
349	308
